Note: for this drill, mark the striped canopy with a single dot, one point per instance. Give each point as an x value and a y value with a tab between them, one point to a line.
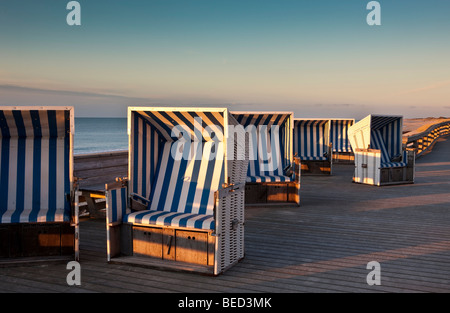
191	125
35	163
259	119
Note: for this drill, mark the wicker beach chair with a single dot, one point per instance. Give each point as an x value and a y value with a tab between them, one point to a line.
273	174
182	206
379	155
38	200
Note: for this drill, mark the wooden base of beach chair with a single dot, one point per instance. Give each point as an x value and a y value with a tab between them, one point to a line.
316	168
392	176
165	247
34	242
344	158
396	175
276	192
368	171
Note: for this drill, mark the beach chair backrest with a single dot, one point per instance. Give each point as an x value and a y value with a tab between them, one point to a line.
186	182
311	138
389	130
36	163
377	142
145	145
339	135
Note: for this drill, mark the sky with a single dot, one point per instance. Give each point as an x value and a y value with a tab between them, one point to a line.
316	58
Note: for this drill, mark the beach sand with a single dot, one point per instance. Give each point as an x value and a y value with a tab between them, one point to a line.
413	126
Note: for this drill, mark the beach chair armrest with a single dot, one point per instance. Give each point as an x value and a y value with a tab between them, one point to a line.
116	204
140	198
229	225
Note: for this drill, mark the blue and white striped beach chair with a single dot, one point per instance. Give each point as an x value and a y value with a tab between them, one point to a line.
184	199
379	155
271	175
342	149
312	145
38	202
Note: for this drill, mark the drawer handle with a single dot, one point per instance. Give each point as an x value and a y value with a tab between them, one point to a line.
169	244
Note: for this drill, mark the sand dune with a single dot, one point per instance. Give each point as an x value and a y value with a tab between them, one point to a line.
416	125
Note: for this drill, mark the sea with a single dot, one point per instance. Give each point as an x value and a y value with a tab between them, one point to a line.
94	135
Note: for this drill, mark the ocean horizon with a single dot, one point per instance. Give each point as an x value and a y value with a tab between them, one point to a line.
94	135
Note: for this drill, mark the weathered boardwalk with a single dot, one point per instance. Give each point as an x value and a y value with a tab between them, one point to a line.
322	246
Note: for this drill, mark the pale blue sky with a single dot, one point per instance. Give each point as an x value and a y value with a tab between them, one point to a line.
317	58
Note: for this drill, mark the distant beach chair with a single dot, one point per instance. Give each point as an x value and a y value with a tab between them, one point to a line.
321	142
273	174
182	206
342	149
38	198
312	145
379	155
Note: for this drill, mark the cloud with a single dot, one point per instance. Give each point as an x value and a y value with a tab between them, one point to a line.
15	88
98	104
436	85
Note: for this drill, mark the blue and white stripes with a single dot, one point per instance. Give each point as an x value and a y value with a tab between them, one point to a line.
270	145
174	219
178	163
378	143
380	132
191	125
117	204
187	182
183	193
390	130
339	135
311	139
147	144
35	160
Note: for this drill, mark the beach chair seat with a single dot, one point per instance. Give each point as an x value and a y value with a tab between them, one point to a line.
267	171
314	158
35	216
174	219
268	179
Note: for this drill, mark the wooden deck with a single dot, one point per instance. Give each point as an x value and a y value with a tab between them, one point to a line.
322	246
